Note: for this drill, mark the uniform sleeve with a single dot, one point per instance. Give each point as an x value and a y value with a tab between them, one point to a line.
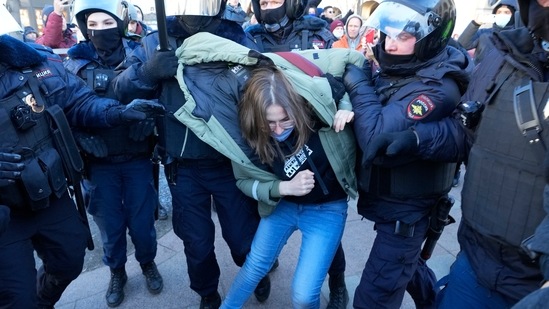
127	85
413	104
540	242
80	104
445	140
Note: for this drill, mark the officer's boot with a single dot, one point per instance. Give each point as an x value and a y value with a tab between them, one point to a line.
115	293
155	283
263	289
339	297
212	301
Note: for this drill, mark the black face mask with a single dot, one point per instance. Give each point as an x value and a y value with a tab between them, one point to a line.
538	20
195	24
108	44
274	19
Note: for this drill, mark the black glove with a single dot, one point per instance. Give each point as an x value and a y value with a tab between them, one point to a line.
4	218
391	144
338	88
470	113
10	168
140	130
354	77
138	109
91	144
162	65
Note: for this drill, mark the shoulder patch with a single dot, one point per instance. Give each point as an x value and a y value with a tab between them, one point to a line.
420	107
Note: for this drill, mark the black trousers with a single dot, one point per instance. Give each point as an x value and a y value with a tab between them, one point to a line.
59	238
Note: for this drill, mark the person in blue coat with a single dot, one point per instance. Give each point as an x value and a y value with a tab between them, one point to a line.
195	171
42	216
420	79
119	170
504	230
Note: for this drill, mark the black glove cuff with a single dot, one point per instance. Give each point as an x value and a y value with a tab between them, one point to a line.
144	75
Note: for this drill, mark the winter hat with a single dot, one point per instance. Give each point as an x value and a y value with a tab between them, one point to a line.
510	4
46	11
336	23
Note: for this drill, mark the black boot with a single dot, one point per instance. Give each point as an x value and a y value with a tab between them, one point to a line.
212	301
263	289
115	293
339	297
153	277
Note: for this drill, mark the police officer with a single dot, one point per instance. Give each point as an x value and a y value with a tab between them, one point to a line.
420	79
119	169
195	171
504	228
32	176
282	26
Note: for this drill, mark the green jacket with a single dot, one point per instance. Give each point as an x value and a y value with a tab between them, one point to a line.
252	180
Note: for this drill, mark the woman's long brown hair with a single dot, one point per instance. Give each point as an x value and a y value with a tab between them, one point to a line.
268	86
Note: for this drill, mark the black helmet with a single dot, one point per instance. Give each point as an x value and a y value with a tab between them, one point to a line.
294	9
117	9
430	21
535	18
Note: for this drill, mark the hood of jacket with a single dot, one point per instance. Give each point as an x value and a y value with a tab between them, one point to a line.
451	61
17	54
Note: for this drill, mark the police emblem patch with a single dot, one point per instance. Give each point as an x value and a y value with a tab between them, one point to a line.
420	107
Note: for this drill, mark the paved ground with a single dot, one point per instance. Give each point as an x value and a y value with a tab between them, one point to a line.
88	290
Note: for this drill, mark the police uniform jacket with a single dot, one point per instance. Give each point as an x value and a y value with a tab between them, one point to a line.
401	96
304	33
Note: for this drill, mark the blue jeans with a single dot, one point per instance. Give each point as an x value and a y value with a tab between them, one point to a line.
123	198
462	290
321	226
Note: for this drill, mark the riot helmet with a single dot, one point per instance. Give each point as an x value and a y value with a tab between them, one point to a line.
195	16
535	17
9	23
292	9
119	10
431	22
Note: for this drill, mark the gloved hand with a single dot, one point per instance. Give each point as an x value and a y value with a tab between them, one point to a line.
338	88
10	168
91	144
138	109
354	77
162	65
142	129
391	144
4	218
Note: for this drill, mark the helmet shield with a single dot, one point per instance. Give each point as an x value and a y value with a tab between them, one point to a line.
9	24
394	18
193	7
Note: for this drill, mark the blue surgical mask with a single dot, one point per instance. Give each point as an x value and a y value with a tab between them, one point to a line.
282	136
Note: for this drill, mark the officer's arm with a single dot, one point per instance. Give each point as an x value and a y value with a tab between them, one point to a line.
445	140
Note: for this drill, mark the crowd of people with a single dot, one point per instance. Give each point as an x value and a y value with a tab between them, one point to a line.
275	116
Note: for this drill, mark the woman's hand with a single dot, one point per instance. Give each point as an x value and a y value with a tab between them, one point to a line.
300	185
341	118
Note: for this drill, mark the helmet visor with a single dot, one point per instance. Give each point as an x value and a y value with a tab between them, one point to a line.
8	22
395	19
193	7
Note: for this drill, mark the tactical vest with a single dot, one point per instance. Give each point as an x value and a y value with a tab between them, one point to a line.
120	146
502	197
26	131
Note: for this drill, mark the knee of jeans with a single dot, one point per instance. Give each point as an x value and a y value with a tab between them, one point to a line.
300	299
